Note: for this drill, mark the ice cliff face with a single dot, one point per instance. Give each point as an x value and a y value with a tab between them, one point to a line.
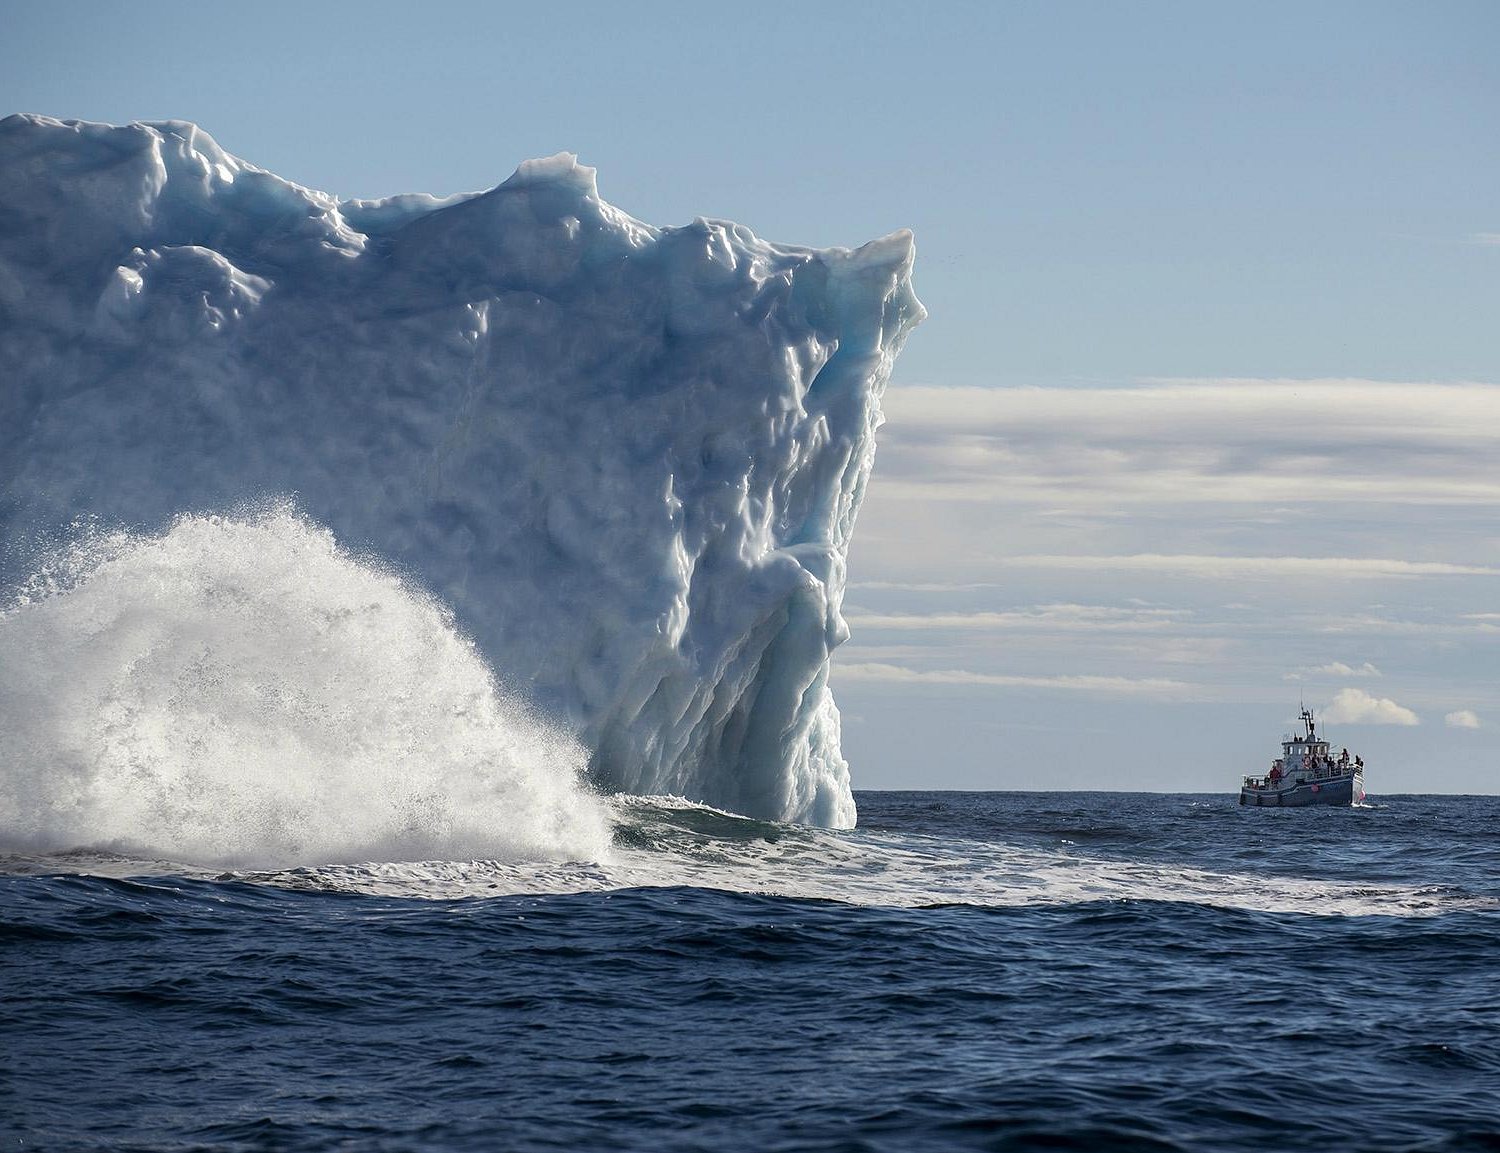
630	458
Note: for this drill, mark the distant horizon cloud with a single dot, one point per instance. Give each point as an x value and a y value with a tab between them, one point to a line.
1255	567
922	586
1357	707
873	671
1064	617
1195	440
1311	535
1462	719
1485	239
1334	669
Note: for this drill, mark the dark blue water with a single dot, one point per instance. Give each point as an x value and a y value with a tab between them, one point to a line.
1129	972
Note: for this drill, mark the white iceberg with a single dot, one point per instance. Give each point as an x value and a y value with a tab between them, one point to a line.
630	458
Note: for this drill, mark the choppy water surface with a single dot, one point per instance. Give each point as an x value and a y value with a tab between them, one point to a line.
987	971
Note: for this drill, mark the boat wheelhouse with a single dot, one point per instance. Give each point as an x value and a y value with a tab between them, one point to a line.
1307	773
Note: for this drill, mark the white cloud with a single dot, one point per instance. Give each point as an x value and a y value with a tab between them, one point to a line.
1485	239
1274	442
1110	686
1062	617
1462	719
1293	528
922	586
1357	707
1253	567
1334	669
1375	624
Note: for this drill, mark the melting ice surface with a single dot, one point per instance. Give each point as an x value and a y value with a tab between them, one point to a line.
629	458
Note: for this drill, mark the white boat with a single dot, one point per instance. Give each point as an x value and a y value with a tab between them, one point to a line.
1308	773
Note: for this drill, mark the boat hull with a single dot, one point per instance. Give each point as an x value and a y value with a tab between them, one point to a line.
1348	790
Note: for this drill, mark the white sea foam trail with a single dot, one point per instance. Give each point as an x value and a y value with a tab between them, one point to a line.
666	842
242	690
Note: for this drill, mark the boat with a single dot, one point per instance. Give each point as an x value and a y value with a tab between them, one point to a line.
1307	773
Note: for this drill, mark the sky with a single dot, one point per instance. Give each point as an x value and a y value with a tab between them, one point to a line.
1203	421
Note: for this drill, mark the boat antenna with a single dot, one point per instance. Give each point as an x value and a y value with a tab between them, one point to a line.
1310	722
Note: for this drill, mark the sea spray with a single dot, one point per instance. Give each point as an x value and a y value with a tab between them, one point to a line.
243	690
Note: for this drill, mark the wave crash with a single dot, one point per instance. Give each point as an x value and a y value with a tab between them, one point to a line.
243	691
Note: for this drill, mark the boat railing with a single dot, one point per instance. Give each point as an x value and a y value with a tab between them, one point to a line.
1334	771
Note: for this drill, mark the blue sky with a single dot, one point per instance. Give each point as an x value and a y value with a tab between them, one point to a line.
1216	271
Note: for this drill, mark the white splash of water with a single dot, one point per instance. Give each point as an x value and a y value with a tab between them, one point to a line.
242	690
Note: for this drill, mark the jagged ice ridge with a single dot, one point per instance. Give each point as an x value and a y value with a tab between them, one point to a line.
630	458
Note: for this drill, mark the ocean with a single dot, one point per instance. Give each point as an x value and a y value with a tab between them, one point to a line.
999	971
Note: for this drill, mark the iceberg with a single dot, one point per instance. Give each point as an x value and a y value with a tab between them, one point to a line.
629	458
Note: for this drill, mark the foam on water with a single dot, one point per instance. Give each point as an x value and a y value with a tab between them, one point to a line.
242	690
663	841
668	842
